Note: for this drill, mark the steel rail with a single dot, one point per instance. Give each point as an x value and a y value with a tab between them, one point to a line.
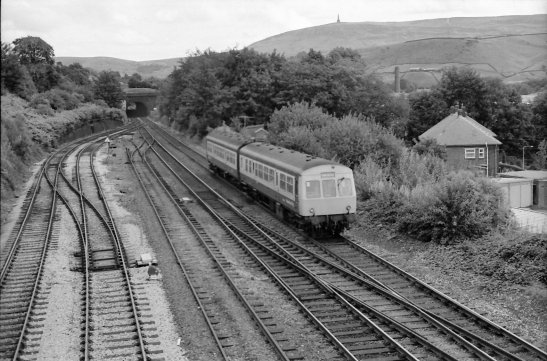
360	276
272	273
13	248
188	217
398	346
124	265
179	260
360	273
540	353
45	247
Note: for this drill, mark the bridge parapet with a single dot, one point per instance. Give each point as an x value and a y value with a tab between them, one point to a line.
140	101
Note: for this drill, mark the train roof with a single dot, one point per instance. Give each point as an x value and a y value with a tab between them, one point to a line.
282	158
231	140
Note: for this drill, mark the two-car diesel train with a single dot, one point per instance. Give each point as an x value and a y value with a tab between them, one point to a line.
316	194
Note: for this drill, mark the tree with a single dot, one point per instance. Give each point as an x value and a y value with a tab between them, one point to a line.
33	50
426	110
107	87
15	77
464	86
76	73
539	116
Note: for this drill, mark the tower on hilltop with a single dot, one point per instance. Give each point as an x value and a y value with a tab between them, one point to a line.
338	19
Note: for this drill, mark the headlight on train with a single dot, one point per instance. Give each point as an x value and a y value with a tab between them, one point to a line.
348	208
312	211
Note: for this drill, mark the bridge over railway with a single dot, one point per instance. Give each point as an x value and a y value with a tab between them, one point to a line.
140	101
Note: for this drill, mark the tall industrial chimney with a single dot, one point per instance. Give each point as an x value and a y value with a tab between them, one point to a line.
397	80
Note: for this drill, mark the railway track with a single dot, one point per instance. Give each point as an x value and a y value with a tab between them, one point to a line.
113	325
111	316
463	324
203	264
352	329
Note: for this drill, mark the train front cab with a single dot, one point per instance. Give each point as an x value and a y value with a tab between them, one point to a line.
327	198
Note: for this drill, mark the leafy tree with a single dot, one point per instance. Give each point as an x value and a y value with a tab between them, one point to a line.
539	116
339	53
15	77
136	81
313	57
465	87
540	157
427	109
44	76
107	87
431	147
307	128
76	73
33	50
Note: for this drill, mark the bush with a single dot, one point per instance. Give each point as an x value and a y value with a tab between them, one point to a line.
57	99
307	128
461	206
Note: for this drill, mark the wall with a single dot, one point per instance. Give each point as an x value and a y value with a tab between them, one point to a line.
517	192
455	157
88	129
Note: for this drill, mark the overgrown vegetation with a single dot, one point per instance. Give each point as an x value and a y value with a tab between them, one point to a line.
414	192
42	102
327	106
209	88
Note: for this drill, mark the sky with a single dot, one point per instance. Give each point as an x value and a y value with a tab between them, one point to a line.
160	29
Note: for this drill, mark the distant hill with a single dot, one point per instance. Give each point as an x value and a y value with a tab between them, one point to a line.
157	68
511	47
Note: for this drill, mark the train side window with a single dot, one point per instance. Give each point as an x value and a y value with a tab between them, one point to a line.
329	189
313	189
271	178
290	185
283	181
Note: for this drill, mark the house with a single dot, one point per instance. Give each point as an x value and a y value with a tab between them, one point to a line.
468	144
257	132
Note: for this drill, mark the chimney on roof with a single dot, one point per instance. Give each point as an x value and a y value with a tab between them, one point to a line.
458	108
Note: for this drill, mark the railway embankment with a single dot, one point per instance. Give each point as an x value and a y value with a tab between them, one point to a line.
27	135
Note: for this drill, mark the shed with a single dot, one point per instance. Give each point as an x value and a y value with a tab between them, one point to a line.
539	185
517	191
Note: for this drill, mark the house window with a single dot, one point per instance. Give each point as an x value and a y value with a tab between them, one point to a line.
481	152
469	153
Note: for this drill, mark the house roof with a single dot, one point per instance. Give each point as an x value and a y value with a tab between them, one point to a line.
528	174
459	129
254	131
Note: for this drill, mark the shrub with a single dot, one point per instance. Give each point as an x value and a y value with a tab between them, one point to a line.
515	257
56	99
460	206
307	128
44	109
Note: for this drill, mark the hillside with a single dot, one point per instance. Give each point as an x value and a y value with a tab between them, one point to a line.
156	68
513	48
512	58
495	46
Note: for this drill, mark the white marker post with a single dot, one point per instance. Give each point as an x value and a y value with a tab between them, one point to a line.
107	141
